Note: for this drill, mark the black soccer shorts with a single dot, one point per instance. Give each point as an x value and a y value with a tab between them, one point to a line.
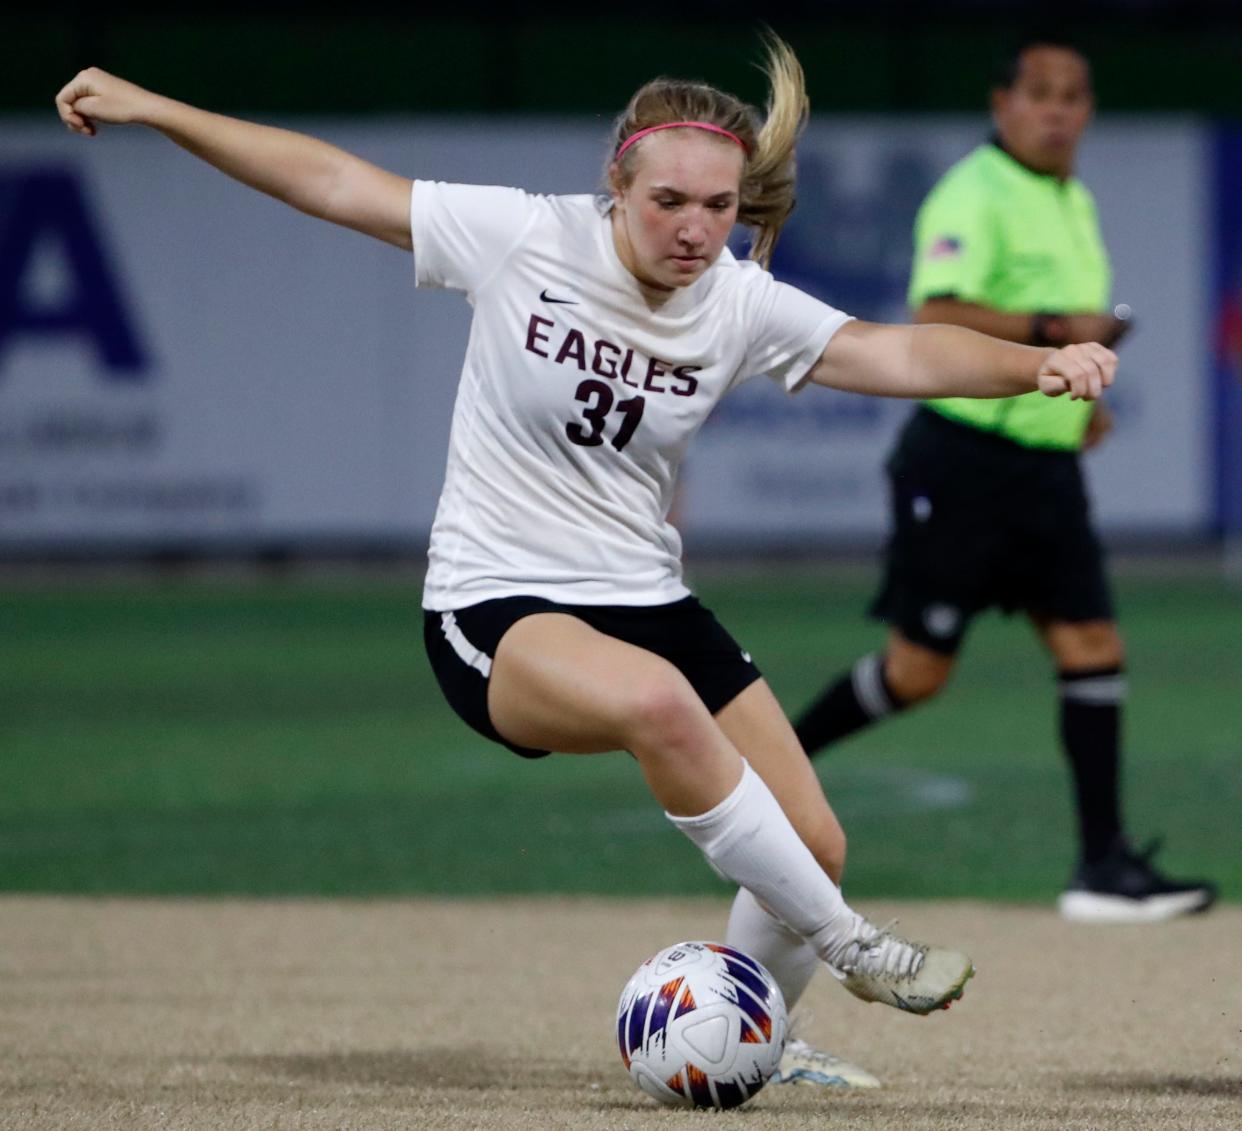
980	521
461	644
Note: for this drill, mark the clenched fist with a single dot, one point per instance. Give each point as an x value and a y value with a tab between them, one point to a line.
1084	371
93	96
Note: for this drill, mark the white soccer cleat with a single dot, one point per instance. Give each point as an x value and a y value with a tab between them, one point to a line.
877	965
804	1064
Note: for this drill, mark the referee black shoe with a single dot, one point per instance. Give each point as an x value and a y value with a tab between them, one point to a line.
1124	887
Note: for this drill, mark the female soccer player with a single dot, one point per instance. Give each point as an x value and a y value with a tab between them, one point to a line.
605	330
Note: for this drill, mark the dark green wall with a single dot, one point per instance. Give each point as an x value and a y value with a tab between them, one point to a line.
284	60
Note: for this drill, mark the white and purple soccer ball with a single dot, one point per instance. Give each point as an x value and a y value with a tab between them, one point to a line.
701	1025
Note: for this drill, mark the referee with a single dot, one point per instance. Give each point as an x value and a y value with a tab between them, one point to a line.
989	506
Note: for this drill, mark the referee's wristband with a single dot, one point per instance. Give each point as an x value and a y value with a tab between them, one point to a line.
1049	329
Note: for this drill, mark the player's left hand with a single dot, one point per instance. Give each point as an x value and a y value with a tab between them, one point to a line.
1083	370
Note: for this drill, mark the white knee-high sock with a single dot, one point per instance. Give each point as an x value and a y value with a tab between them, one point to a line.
748	838
789	958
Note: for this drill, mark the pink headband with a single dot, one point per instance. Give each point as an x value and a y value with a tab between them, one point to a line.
676	125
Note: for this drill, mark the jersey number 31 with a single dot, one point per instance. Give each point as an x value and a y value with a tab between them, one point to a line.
599	402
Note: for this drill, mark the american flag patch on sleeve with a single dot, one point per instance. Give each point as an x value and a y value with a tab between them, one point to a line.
944	247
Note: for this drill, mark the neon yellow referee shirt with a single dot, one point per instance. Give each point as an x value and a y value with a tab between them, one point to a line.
994	232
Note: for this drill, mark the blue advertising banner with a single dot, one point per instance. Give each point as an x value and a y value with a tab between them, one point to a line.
185	363
1227	300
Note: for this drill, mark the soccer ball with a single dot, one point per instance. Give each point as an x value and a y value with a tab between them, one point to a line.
701	1025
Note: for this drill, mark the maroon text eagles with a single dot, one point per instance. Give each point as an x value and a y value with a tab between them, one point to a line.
610	361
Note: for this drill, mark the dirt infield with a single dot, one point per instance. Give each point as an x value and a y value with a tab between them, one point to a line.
498	1014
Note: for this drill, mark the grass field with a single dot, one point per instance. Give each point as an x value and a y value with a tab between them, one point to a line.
288	738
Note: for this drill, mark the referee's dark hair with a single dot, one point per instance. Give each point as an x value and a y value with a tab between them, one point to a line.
1010	66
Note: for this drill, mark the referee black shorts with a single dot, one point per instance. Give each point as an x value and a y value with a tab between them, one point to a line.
980	521
461	644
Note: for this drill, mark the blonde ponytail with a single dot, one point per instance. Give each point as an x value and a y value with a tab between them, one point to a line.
768	182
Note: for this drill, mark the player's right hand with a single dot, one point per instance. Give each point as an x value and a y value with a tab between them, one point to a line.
93	96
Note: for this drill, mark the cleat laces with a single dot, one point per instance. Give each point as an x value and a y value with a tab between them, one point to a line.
877	951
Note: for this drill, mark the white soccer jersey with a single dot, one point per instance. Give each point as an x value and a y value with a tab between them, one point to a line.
576	400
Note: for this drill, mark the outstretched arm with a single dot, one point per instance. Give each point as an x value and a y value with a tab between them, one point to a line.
950	361
308	174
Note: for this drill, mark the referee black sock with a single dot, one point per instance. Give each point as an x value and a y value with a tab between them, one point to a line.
1091	734
858	698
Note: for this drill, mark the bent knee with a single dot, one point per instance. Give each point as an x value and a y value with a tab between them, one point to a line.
661	710
1085	644
915	673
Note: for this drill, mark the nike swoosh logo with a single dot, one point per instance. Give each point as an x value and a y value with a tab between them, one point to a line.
548	298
